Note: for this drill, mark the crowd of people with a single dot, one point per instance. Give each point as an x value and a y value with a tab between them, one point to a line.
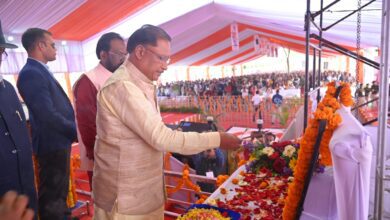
247	84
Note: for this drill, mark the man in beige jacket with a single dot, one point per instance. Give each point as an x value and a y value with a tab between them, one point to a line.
131	136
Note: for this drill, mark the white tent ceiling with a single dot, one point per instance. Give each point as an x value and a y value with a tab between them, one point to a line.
201	31
200	28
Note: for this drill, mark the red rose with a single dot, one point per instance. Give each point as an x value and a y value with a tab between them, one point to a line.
278	165
279	146
247	154
274	155
263	170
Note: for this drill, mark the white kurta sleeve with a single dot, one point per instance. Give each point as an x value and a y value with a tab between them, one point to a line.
136	113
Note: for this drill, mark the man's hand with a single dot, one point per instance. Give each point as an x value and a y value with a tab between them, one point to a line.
229	141
14	207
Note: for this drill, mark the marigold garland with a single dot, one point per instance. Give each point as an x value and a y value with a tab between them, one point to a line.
186	181
75	162
325	110
221	179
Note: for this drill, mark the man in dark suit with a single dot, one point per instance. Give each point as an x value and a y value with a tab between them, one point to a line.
52	123
16	164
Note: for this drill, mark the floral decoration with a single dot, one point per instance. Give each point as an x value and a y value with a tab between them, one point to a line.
275	158
201	214
259	196
326	110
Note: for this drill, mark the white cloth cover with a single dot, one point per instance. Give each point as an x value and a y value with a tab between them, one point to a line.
351	150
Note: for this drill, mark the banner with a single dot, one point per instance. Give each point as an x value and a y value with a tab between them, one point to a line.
234	36
276	51
256	43
268	50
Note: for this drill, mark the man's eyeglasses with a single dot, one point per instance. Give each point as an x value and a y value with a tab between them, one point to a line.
162	58
118	54
3	55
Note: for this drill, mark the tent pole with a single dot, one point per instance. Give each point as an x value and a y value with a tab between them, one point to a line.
320	55
307	29
382	110
313	78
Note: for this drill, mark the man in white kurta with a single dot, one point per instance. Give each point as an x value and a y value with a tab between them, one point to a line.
131	136
351	150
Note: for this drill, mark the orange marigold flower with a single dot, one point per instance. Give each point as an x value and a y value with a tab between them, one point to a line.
241	162
263	185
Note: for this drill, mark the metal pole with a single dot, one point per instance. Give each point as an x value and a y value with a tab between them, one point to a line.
307	29
382	110
320	56
353	12
313	79
323	9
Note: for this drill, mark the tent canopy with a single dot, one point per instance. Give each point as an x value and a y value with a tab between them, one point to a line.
200	29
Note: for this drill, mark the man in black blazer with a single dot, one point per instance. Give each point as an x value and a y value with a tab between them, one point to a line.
17	172
52	123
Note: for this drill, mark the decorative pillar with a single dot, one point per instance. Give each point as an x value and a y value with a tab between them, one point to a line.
360	70
340	61
188	73
69	87
348	65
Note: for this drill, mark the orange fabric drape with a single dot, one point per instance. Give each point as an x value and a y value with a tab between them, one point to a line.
94	16
221	52
69	87
245	52
71	200
188	73
360	73
218	36
348	65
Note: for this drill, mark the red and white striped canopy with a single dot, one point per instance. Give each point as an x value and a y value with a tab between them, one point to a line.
200	29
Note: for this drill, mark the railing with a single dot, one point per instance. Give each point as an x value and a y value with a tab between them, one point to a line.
295	128
367	112
237	111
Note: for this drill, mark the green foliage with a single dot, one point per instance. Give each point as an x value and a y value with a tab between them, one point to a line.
283	115
180	109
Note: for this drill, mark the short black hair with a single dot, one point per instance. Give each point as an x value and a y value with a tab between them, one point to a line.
31	36
104	42
147	34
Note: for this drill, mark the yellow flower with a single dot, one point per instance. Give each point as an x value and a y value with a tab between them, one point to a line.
292	163
268	150
289	151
